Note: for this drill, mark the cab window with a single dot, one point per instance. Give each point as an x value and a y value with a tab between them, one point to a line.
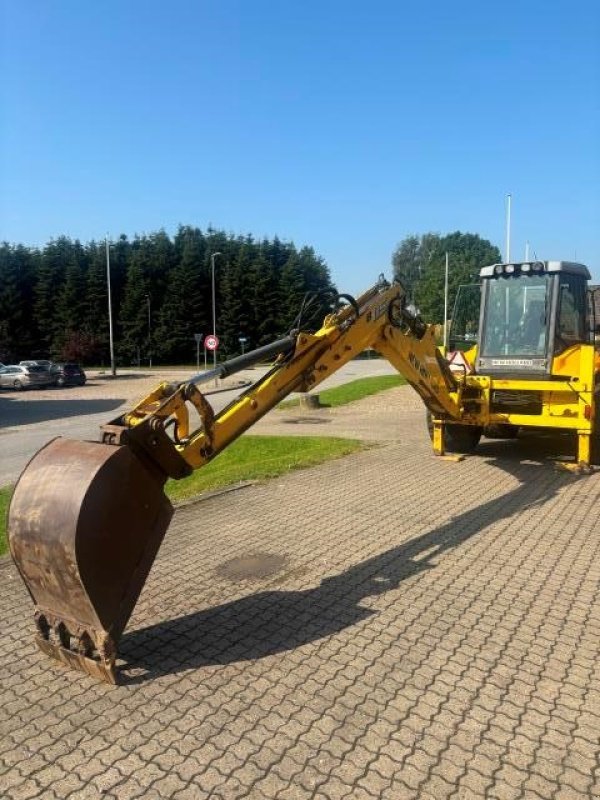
515	321
570	322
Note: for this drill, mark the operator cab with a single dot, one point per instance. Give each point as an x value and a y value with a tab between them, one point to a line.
530	312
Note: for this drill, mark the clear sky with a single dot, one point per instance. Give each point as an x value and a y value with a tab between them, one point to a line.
340	124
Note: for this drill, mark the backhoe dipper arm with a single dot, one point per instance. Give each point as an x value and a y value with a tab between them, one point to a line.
378	319
85	559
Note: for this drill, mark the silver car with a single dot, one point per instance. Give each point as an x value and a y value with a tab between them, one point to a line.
16	376
40	362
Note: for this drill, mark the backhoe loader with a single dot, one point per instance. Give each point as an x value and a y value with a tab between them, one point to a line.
85	559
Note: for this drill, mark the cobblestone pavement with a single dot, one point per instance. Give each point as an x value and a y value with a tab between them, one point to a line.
429	629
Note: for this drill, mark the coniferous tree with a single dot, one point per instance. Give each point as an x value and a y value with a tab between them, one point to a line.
317	282
70	303
185	306
17	331
266	300
96	300
292	290
50	279
236	317
56	301
136	308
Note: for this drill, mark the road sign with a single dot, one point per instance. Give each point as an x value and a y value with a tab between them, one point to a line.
211	342
198	337
458	363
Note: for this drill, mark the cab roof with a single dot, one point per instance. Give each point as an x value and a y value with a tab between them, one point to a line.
570	267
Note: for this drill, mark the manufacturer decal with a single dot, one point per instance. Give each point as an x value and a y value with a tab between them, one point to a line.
512	362
416	364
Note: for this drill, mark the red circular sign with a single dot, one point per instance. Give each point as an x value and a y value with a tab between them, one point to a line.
211	342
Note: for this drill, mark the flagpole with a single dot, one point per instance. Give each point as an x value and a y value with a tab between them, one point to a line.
446	306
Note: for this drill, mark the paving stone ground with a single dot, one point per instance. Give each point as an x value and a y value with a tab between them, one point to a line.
431	630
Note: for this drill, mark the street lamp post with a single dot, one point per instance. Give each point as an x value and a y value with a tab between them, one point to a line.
446	305
508	204
214	303
149	332
113	368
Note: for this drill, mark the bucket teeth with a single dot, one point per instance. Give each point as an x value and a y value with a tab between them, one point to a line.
88	651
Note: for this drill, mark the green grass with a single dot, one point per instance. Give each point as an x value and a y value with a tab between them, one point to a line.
249	458
355	390
5	494
260	457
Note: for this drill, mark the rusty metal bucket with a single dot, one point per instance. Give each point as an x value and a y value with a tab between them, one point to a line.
84	525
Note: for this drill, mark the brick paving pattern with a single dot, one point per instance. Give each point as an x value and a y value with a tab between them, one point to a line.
428	630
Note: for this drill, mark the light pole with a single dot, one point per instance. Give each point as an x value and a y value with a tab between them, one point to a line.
446	305
113	368
508	204
214	303
149	332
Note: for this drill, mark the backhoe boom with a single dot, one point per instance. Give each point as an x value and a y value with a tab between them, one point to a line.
85	560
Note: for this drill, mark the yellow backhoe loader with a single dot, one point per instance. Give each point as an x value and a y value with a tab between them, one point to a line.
85	559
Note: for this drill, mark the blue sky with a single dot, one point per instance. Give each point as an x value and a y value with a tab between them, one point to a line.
342	125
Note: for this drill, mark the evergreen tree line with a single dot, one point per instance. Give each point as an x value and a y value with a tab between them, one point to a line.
54	301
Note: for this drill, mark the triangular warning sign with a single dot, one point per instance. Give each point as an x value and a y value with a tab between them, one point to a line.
458	363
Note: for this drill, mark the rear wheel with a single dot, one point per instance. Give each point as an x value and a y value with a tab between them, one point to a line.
457	438
60	381
595	439
595	450
462	438
18	385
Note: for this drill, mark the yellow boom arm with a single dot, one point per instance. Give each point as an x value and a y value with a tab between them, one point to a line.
378	320
85	559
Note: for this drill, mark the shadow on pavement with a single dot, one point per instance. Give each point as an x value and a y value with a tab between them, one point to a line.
270	622
14	411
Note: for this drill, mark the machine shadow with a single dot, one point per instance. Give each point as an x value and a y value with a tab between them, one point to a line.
14	411
274	621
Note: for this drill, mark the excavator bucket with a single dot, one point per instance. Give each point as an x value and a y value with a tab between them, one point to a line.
84	525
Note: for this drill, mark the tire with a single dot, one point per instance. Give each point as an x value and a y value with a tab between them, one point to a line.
60	382
595	443
18	385
458	438
501	431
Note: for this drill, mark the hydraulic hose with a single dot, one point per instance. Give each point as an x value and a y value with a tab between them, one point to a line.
227	368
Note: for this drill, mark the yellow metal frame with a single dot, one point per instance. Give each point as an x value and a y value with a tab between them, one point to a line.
343	336
379	321
568	399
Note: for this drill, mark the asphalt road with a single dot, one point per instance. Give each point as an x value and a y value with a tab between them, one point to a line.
28	420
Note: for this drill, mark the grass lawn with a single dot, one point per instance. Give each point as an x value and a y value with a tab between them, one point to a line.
260	457
5	493
355	390
248	458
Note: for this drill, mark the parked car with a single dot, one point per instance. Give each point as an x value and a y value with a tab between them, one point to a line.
40	362
68	375
17	376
